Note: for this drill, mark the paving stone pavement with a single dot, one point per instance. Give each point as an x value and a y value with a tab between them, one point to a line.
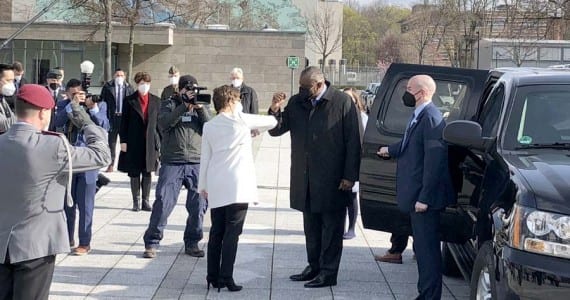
270	249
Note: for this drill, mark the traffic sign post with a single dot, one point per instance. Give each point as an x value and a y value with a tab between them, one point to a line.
293	63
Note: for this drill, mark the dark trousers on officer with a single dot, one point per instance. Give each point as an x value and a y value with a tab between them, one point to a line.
227	225
113	134
83	194
323	239
26	280
171	177
425	227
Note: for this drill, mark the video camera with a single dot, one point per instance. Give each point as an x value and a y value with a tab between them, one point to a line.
198	97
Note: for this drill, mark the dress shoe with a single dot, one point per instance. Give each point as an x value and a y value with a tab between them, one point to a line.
146	205
149	253
393	258
349	235
321	281
306	275
81	250
194	251
231	285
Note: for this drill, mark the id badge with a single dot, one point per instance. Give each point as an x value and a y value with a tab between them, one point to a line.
186	119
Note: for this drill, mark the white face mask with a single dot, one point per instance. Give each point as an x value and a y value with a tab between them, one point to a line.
18	77
8	89
144	88
238	108
174	80
119	80
237	82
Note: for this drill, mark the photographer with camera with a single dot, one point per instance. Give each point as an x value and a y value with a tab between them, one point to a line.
84	184
181	121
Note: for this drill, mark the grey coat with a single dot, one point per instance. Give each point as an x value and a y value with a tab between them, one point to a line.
325	148
33	178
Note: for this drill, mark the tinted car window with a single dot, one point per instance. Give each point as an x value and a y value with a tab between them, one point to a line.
491	112
397	115
540	115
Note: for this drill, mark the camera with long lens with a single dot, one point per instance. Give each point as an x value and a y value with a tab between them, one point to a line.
198	98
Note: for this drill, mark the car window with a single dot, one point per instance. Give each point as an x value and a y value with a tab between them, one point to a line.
491	112
397	115
540	115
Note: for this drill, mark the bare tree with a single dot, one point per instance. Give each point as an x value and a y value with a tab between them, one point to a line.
389	49
424	29
324	33
525	24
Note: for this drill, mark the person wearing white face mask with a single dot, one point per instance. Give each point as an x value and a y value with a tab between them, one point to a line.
7	88
140	140
248	95
226	180
113	93
172	87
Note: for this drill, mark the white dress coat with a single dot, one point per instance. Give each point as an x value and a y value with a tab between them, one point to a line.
227	169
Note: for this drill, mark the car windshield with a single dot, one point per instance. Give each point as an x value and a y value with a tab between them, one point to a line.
539	118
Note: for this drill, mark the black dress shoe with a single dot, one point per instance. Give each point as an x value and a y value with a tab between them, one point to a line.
307	274
321	281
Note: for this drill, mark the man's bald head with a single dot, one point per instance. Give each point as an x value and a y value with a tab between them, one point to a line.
422	87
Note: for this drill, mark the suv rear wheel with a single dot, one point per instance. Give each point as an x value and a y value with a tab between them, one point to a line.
482	279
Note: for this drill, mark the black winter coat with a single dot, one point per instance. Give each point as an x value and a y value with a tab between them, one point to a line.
325	148
143	139
249	100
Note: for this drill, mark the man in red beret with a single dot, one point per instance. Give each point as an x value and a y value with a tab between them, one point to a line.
32	222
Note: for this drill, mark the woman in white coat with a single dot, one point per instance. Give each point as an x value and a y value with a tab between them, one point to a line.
227	180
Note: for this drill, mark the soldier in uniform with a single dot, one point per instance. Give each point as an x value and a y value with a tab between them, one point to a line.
36	167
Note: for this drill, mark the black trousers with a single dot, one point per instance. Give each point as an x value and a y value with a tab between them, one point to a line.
425	227
26	280
399	242
323	239
113	134
227	225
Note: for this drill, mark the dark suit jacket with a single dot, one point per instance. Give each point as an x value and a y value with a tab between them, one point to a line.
423	171
325	148
142	138
167	92
108	94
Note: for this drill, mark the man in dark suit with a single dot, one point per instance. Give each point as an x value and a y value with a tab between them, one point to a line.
423	183
248	95
325	160
84	184
113	94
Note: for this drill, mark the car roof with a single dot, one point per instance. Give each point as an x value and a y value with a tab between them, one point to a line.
530	76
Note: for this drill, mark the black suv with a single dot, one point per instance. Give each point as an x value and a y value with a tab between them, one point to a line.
509	156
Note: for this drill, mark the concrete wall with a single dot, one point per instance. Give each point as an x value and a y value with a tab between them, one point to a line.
210	56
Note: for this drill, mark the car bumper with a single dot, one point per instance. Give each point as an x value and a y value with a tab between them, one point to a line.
535	276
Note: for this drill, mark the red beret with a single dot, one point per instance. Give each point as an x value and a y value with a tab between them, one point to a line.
36	95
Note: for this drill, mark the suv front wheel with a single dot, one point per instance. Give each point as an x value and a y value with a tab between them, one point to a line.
483	286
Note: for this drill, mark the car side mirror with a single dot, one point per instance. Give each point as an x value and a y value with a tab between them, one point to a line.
466	134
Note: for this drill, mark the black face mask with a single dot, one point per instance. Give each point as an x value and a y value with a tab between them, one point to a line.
304	93
53	86
409	99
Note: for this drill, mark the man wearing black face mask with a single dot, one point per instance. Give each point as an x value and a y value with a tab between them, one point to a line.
423	183
325	160
54	85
